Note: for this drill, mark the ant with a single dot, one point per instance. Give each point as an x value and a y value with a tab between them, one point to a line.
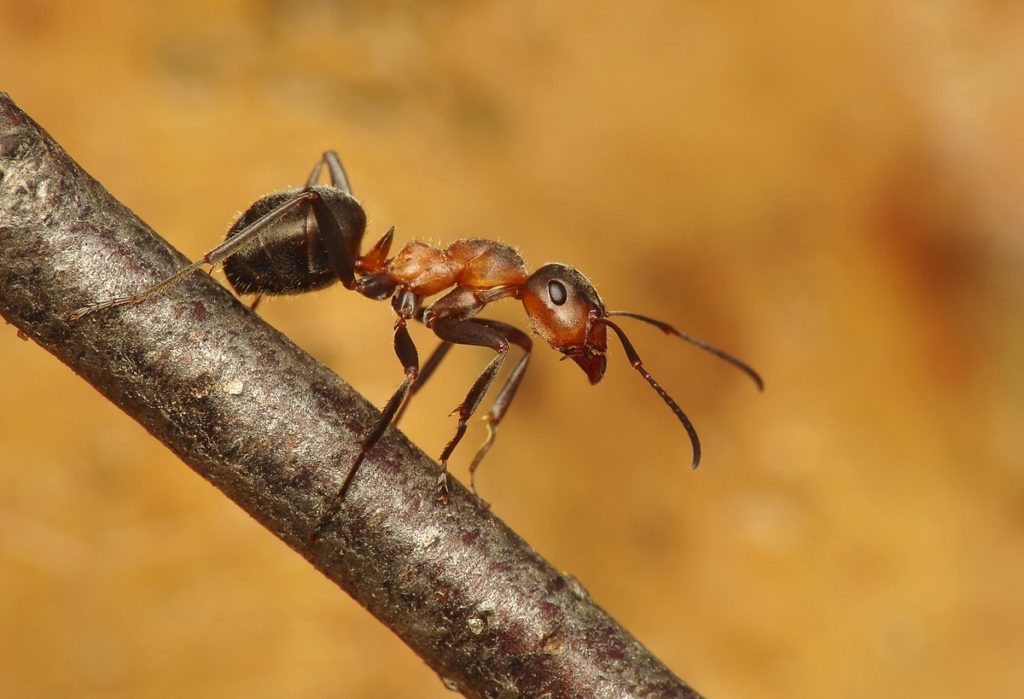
300	240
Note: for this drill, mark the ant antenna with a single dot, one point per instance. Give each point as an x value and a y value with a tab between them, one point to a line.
634	359
669	330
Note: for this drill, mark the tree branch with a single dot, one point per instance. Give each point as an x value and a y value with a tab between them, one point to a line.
274	430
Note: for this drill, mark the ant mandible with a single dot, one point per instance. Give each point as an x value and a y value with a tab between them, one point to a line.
300	240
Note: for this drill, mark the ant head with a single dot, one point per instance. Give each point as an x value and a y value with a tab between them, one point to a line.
565	310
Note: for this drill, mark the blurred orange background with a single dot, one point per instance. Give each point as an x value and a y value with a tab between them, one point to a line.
832	192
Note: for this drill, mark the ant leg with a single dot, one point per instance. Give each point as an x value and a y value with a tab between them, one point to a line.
428	369
505	395
405	349
469	332
213	257
338	253
315	174
458	302
255	302
339	178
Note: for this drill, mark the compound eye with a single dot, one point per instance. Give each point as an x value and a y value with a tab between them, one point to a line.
557	292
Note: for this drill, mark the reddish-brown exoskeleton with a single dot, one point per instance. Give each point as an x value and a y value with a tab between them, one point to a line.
304	239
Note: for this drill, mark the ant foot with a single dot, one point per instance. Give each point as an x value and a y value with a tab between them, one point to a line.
442	485
318	531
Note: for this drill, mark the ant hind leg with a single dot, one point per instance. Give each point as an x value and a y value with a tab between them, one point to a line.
339	178
482	333
215	256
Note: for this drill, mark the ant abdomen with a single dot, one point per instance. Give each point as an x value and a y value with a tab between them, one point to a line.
290	256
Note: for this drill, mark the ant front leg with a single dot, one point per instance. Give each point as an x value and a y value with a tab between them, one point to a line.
404	303
505	395
469	332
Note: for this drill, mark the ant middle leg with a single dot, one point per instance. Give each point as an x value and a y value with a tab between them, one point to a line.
426	372
405	349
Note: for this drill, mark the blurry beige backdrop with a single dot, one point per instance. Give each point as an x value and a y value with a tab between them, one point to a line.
831	192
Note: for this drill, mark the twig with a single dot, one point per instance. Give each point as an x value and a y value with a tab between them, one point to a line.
274	430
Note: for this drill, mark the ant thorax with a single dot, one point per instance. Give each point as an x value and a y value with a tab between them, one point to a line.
474	263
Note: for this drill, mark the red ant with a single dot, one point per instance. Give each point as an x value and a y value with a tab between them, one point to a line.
305	239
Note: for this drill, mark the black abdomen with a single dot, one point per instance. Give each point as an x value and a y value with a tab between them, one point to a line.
289	255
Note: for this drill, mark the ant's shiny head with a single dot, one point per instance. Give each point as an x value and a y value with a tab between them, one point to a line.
566	311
